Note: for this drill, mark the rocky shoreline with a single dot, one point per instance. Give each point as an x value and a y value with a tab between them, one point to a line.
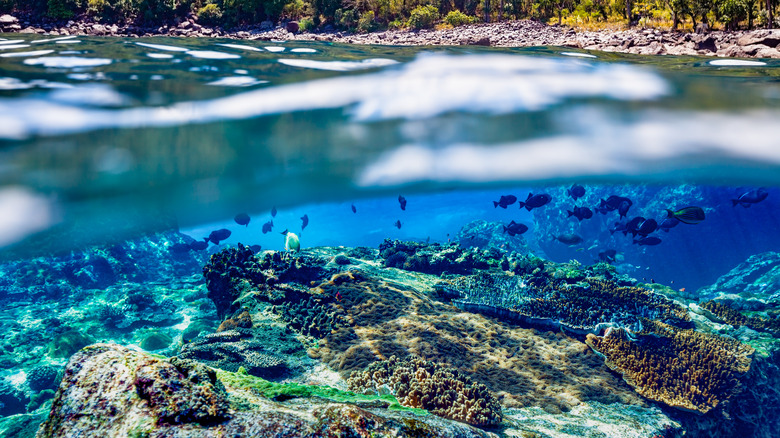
522	33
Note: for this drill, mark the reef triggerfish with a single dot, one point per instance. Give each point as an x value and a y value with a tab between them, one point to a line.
688	215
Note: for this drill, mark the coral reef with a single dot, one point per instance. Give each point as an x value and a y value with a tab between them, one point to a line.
12	400
156	340
128	393
490	235
442	390
65	344
751	285
242	320
523	367
43	377
728	315
232	349
438	259
587	306
682	368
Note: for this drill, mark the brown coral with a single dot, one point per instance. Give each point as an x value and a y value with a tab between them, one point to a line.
735	318
682	368
442	390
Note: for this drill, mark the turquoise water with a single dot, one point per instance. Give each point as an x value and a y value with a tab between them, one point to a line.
109	139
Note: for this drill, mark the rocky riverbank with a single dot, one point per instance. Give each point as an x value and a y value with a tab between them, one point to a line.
523	33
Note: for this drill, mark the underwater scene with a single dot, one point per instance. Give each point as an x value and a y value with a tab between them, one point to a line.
207	237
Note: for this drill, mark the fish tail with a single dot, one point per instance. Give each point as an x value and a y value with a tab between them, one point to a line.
734	202
505	228
637	241
495	204
669	213
521	204
571	213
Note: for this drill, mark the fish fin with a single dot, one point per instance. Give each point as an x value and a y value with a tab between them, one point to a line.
636	241
505	228
734	202
495	204
521	204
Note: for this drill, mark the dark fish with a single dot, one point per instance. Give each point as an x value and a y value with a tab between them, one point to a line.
647	227
397	224
623	208
607	256
668	224
601	209
199	245
751	197
613	203
354	210
505	201
649	241
535	201
580	213
402	201
268	226
688	215
305	219
633	225
618	226
242	219
568	239
181	248
576	191
219	235
514	228
273	211
255	248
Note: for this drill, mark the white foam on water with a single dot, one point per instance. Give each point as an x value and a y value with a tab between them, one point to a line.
14	46
67	62
241	47
578	55
5	42
25	54
68	42
24	213
237	81
93	94
160	55
303	50
13	84
736	63
48	40
274	49
99	76
241	71
338	65
156	77
209	54
164	47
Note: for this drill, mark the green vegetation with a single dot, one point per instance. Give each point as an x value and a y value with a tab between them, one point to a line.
368	16
286	391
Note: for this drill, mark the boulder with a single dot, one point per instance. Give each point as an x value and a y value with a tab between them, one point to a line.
706	43
292	26
768	52
770	38
6	20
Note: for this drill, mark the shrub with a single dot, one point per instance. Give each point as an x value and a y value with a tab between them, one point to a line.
305	24
113	10
395	24
366	23
423	17
346	20
457	18
62	9
209	15
294	10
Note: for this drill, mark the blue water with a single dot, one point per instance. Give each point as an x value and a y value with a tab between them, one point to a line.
104	140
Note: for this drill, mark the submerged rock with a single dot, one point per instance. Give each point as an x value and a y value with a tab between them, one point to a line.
109	390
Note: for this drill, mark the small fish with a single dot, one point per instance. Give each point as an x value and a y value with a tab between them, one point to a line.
242	219
668	224
180	248
649	241
354	210
273	211
633	225
576	191
751	197
580	213
618	226
607	256
568	239
687	215
217	236
402	201
268	226
535	201
514	228
199	245
613	202
505	201
623	208
397	224
255	248
291	241
305	221
647	227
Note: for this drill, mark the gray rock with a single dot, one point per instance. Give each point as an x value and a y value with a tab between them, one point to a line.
292	26
768	52
770	38
6	19
707	43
